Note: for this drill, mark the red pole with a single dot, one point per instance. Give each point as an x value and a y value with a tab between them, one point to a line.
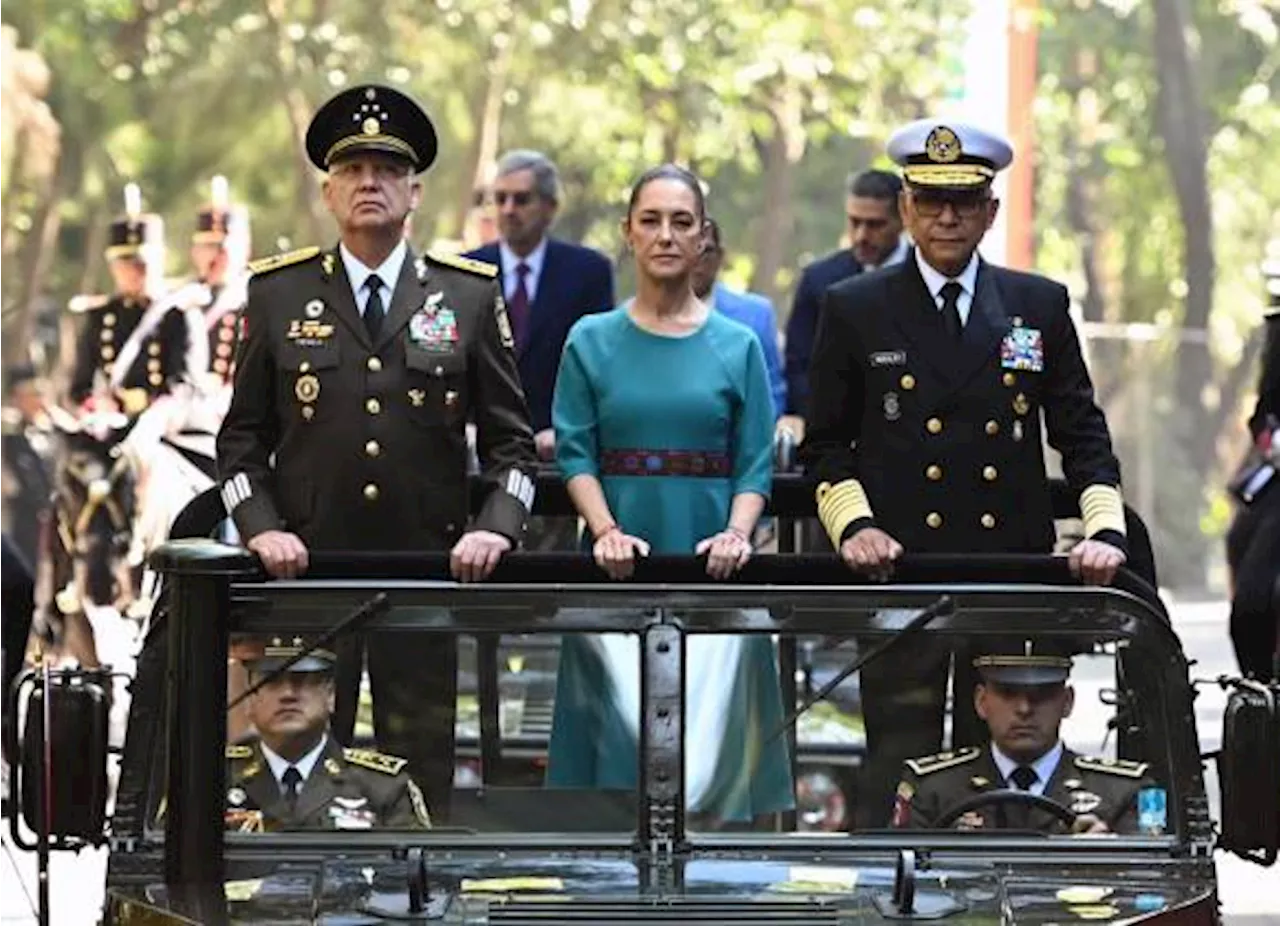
1020	194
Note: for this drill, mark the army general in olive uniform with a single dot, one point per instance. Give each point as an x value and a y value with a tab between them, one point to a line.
929	382
294	776
357	371
1023	698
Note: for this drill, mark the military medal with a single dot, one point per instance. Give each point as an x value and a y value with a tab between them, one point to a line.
417	397
314	308
1023	349
307	388
420	267
450	398
332	767
1017	430
1084	802
892	408
434	327
327	264
236	797
1020	404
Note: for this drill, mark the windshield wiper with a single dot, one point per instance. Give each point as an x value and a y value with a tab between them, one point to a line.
943	607
375	606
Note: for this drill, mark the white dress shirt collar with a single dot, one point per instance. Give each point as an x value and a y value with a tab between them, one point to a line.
279	764
968	278
534	261
1044	766
388	271
896	256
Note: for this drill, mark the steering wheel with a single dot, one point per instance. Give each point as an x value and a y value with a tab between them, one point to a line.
1057	809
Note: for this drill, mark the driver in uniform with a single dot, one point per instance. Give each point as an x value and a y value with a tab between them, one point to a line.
1022	696
295	775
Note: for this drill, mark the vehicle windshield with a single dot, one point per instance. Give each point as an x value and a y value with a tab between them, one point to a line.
1020	711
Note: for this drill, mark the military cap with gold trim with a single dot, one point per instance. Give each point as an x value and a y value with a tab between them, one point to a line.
371	117
278	651
135	234
1025	662
948	154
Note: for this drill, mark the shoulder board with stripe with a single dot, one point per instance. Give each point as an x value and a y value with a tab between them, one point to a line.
377	761
1121	767
87	303
927	765
458	262
239	752
276	261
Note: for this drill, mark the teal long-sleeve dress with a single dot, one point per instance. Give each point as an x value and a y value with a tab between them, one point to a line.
673	427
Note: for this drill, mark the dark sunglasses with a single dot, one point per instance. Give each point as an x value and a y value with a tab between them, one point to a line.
521	198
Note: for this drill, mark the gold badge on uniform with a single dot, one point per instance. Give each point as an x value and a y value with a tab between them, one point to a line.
314	308
332	767
504	323
236	797
1020	404
327	264
420	267
1084	802
307	388
450	398
417	397
943	146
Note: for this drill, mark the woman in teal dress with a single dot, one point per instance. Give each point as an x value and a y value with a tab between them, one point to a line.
664	435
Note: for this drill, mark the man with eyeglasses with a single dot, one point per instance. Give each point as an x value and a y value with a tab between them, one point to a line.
357	370
548	283
929	383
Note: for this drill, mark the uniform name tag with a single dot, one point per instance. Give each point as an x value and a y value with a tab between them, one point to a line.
888	358
1023	349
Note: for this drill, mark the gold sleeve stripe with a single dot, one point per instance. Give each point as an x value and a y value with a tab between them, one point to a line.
1102	508
840	505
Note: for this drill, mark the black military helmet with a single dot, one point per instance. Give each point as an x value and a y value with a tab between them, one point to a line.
1025	662
371	117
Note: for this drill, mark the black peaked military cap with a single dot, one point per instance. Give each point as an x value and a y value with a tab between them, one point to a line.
1025	662
278	652
371	117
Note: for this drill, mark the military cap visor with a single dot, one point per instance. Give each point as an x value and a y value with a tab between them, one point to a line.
948	155
275	656
368	118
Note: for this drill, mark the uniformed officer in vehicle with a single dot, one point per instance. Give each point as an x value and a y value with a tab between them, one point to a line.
1022	697
357	371
135	243
293	775
928	385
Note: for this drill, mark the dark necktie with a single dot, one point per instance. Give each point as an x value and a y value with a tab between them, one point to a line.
519	308
373	310
951	309
292	778
1024	776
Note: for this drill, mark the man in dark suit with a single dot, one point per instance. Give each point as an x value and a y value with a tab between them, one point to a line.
875	240
548	283
929	380
357	371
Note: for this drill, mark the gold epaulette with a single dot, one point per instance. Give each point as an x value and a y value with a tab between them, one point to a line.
276	261
1122	767
87	303
12	421
239	752
458	262
377	761
927	765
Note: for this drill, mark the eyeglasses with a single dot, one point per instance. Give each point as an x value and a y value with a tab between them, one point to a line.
519	198
965	205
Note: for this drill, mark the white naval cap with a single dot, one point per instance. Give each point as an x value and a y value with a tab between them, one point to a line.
948	153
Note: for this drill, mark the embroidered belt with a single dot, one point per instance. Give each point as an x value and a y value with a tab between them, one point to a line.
664	463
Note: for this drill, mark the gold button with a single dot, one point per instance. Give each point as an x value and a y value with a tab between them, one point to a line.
934	425
107	334
371	492
153	366
1009	379
372	406
220	366
1020	404
304	367
308	412
993	427
907	382
439	371
154	349
374	364
372	449
155	379
109	319
108	352
226	334
223	350
934	520
988	521
989	473
933	473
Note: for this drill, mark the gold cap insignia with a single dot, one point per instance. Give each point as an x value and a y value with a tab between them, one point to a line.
942	146
371	126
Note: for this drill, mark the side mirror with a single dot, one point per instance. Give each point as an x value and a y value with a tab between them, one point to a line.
59	777
1249	771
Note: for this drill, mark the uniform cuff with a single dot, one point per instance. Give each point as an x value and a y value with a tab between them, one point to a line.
1114	538
855	526
250	508
840	505
506	510
1102	508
